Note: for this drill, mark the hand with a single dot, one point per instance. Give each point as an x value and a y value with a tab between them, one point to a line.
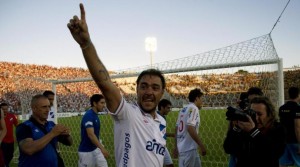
175	153
247	126
79	29
105	153
202	150
60	129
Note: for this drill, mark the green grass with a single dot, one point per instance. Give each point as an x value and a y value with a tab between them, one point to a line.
212	131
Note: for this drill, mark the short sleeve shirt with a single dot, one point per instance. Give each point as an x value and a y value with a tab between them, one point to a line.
139	138
188	116
288	113
89	120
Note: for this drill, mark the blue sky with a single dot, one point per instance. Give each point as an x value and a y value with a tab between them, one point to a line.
35	31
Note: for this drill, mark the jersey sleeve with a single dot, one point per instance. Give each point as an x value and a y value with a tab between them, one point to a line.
123	111
193	116
87	121
22	132
297	113
16	122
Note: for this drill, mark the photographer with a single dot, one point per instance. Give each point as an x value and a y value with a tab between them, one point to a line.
254	92
244	105
246	97
257	144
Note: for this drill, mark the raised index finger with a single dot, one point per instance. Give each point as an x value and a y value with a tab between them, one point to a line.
82	12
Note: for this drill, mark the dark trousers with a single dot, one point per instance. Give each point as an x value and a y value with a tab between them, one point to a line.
8	152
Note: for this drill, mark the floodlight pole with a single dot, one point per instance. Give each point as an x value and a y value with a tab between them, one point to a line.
151	58
151	46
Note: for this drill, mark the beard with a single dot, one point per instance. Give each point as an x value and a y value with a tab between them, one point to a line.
147	110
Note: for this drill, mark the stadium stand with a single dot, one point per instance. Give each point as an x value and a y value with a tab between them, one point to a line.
74	96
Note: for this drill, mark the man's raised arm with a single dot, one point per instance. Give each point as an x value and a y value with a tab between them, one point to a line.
79	30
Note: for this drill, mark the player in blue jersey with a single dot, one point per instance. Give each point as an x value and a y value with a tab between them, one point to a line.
164	107
50	95
37	137
91	151
139	132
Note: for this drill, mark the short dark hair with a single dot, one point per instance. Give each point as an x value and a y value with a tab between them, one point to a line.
36	98
48	92
194	94
255	91
153	72
243	96
3	104
163	103
95	98
293	92
271	112
243	103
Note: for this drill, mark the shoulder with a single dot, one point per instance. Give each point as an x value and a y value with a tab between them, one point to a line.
192	108
161	119
25	126
88	113
50	123
277	126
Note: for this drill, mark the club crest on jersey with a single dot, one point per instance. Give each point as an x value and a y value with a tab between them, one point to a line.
190	111
184	110
155	147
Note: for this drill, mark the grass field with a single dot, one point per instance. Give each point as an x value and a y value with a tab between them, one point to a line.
212	131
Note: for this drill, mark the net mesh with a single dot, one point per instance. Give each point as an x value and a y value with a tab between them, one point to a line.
222	74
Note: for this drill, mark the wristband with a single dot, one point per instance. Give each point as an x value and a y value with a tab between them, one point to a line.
86	46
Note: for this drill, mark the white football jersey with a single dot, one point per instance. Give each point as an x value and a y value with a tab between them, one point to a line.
139	139
189	115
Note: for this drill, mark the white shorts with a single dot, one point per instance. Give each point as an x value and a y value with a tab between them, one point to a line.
167	158
189	159
92	159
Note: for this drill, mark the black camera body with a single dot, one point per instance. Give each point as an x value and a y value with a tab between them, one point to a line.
235	114
244	104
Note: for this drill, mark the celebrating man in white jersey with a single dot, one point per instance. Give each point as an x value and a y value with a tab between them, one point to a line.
187	129
139	132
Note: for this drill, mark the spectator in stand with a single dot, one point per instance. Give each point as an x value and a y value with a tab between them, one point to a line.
164	107
7	144
289	114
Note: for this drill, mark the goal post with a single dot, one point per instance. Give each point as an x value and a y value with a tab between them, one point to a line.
221	73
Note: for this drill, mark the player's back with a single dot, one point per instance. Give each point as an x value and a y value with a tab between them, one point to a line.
188	116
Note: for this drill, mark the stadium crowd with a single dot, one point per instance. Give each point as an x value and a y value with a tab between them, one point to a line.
19	82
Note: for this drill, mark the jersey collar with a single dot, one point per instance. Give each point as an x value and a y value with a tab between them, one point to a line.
147	114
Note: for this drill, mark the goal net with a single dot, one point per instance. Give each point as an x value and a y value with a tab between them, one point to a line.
222	74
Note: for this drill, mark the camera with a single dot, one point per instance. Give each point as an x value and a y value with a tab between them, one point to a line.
244	104
235	114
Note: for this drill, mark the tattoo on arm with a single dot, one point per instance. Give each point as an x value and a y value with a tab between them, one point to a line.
105	75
